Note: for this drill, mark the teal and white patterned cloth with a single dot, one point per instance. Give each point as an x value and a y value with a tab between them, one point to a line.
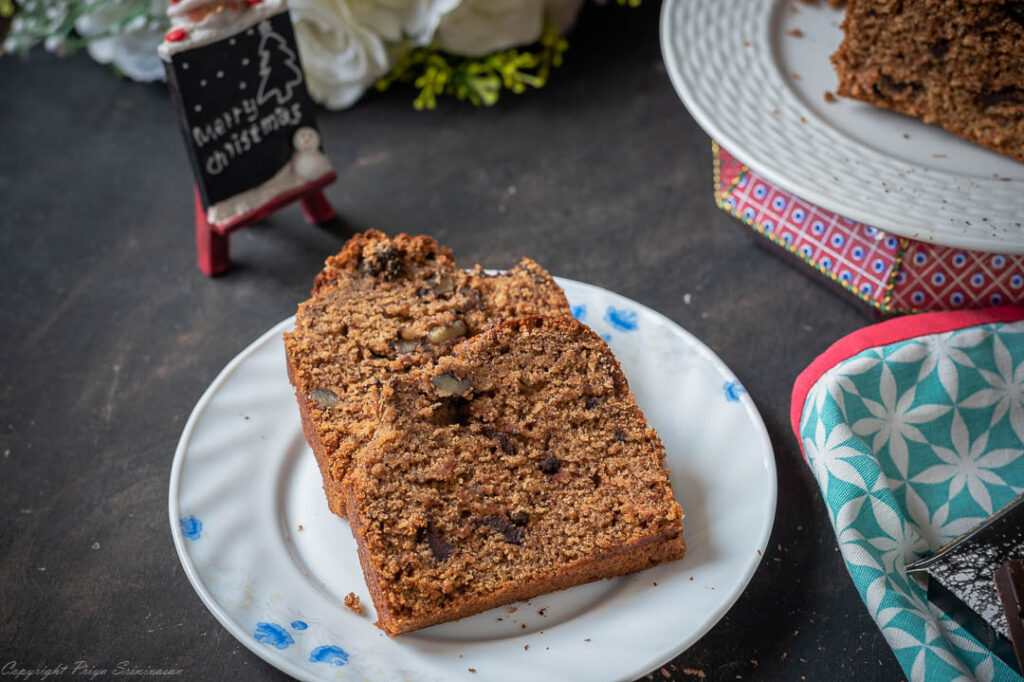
914	442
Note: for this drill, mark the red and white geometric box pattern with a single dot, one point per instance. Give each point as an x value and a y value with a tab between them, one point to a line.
892	274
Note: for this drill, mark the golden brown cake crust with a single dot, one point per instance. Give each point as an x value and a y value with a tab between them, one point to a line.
378	308
517	465
955	63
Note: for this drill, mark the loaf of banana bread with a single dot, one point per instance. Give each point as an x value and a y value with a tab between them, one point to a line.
956	63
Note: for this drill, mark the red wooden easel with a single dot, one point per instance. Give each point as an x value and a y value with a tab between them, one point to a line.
212	238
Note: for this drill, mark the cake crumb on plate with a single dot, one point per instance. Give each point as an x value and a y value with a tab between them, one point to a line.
352	603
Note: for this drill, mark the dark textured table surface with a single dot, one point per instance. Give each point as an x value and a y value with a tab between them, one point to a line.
113	334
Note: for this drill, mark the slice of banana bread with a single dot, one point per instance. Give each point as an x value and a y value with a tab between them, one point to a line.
519	464
956	63
378	308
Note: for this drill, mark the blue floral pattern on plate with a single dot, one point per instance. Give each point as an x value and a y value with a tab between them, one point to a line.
622	319
733	391
278	637
273	634
333	655
191	527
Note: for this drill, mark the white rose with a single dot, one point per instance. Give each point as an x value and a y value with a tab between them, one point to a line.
132	49
398	20
478	27
341	56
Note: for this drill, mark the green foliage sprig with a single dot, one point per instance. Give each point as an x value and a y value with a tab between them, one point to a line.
478	80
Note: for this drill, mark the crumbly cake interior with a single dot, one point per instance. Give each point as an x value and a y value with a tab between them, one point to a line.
518	459
378	308
956	63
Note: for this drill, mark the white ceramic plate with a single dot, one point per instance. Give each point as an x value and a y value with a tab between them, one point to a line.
244	482
760	92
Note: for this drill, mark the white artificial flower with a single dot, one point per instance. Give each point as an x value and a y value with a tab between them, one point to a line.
341	56
344	43
396	21
132	47
478	27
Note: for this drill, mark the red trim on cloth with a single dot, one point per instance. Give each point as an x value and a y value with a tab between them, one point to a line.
883	334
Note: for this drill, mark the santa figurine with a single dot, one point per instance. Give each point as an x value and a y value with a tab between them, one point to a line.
192	20
236	77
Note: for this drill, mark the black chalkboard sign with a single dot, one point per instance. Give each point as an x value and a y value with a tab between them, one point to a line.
240	100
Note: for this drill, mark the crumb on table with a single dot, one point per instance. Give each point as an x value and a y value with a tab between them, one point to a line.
352	603
795	32
830	97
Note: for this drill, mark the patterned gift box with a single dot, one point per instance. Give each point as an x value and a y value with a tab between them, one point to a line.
891	274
